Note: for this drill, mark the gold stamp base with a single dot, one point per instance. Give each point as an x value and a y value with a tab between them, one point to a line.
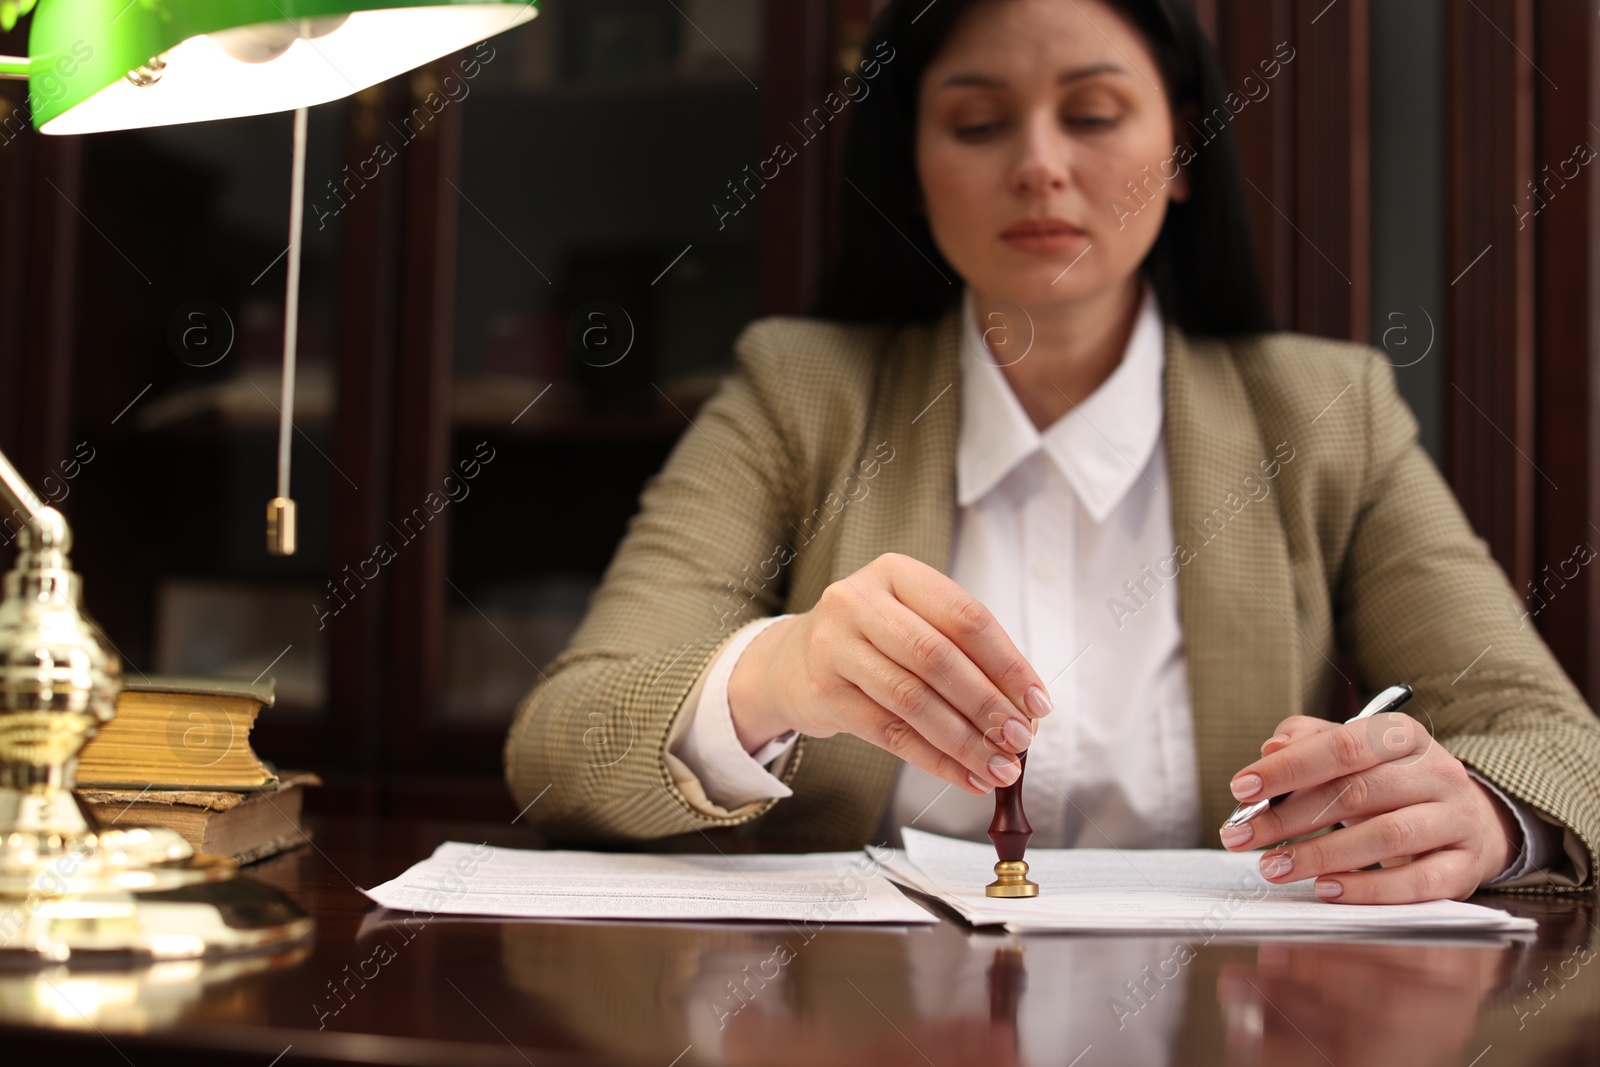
1011	880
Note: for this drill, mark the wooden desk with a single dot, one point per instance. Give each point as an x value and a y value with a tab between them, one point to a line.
462	993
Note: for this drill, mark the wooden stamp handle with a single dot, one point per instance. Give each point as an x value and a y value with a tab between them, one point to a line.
1010	830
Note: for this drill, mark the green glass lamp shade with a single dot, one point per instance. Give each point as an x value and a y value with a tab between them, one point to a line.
96	65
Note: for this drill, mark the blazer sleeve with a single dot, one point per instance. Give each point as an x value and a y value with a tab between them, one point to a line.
1420	600
702	557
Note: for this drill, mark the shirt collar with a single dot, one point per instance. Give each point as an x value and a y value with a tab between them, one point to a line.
1102	446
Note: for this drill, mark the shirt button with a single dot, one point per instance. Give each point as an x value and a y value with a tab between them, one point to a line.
1044	573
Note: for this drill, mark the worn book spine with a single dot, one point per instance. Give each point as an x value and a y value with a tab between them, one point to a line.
245	826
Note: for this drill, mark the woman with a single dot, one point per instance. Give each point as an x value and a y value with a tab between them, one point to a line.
1039	477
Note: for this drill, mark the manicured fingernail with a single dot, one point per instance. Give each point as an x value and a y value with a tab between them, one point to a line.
1275	739
1005	769
1038	701
1277	864
1246	786
1327	890
1019	735
1234	836
980	784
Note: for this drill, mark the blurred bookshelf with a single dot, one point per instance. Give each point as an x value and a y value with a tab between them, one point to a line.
596	306
513	268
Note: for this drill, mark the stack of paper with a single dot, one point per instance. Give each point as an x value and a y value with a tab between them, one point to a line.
829	887
1202	892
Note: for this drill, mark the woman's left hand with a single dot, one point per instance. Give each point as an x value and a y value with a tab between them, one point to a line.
1404	801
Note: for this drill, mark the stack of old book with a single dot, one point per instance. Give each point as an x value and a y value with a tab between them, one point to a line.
178	755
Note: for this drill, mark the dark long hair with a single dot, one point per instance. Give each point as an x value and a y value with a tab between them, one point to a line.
1201	265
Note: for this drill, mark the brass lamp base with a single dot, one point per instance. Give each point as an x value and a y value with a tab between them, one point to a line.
219	915
67	886
1011	880
140	892
40	865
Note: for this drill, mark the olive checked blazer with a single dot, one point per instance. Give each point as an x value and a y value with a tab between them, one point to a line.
1358	564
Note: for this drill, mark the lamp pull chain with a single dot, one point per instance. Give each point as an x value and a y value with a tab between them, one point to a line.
281	511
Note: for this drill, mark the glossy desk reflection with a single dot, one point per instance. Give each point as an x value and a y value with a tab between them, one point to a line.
379	987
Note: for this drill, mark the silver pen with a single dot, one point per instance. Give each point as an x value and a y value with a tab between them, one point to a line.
1388	700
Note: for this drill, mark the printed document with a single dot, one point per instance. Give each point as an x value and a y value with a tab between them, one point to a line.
1202	892
829	887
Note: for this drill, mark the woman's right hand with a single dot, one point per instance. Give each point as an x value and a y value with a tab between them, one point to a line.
899	655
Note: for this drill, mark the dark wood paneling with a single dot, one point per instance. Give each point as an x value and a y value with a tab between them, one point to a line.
1490	261
16	174
1332	142
1567	316
1305	151
1244	39
39	230
793	211
39	182
364	436
428	250
52	296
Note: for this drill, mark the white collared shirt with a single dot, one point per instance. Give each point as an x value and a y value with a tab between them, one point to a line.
1065	535
1050	526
